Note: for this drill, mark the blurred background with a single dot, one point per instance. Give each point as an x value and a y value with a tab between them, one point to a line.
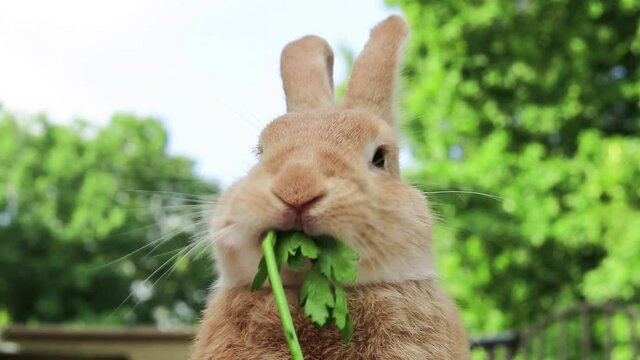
121	120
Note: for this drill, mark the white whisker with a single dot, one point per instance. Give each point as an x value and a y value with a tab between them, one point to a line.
494	197
149	277
159	241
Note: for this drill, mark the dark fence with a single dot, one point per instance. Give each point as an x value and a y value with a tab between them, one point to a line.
502	346
586	331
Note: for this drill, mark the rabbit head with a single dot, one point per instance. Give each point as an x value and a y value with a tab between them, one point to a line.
332	169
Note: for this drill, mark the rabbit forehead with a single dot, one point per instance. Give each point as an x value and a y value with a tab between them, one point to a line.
337	128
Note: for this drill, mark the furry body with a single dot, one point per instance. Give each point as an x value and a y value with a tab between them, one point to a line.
409	320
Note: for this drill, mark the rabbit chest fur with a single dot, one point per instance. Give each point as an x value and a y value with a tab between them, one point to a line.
409	320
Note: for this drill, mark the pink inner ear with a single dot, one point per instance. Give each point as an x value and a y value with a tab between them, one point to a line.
373	83
306	66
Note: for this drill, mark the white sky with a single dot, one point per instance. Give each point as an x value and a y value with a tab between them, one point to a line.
207	69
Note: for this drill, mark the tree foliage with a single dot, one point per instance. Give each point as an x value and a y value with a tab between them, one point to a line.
75	200
536	102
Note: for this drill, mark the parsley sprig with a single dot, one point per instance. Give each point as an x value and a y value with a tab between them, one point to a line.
322	295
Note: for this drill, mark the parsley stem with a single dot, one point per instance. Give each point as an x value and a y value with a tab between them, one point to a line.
273	270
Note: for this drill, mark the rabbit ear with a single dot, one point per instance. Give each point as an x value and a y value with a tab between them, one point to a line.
373	82
306	66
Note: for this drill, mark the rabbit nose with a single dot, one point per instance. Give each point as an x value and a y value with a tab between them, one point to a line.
299	186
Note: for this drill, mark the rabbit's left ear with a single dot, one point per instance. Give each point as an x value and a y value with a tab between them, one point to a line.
306	67
372	86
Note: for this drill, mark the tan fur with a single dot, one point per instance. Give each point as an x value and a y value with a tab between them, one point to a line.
412	320
373	81
307	69
322	152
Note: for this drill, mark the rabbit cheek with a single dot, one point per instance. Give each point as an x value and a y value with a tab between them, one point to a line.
236	265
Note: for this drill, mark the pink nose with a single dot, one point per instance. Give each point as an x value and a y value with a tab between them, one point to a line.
299	186
303	205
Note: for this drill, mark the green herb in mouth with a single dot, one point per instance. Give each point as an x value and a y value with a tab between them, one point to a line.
322	295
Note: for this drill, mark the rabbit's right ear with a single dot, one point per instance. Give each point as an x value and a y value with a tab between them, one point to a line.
306	67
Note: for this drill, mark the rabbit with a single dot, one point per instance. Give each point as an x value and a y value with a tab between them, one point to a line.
332	169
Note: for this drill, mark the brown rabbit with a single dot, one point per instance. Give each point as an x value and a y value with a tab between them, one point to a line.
333	169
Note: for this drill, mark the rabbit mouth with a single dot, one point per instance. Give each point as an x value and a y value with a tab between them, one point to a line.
306	224
295	219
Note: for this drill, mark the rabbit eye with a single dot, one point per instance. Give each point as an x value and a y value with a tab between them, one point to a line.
378	158
257	151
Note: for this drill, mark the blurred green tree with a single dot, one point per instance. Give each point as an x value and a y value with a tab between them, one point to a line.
536	102
75	200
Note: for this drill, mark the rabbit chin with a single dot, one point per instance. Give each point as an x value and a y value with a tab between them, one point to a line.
238	256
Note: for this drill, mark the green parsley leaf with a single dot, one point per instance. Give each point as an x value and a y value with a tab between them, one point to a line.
340	308
261	275
347	330
297	261
341	314
308	247
316	297
336	260
283	247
